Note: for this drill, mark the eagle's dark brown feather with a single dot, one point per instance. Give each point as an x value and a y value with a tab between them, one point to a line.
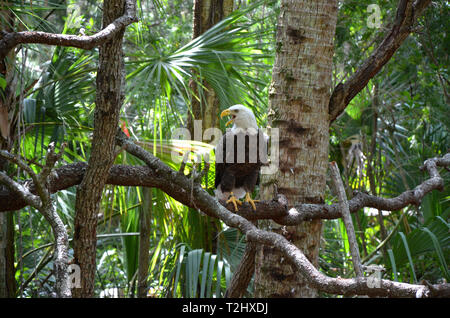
237	169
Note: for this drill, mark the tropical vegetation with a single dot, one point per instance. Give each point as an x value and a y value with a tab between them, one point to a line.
190	254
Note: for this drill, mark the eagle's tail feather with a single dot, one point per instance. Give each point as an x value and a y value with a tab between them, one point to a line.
238	193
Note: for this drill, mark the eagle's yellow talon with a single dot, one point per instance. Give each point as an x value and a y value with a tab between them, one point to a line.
250	200
233	200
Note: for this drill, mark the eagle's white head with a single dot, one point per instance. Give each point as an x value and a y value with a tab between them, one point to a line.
241	116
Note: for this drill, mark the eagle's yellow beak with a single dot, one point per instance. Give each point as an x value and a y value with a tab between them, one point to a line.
227	112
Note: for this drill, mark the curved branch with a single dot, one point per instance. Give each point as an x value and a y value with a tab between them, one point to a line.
360	200
243	273
70	175
44	204
209	205
407	14
17	193
12	39
276	209
353	286
180	187
39	186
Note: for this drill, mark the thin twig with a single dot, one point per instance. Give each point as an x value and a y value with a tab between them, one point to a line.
184	161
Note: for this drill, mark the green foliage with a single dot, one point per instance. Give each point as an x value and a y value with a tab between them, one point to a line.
200	274
190	254
226	56
409	101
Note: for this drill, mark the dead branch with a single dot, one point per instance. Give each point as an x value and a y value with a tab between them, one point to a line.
44	204
10	40
346	217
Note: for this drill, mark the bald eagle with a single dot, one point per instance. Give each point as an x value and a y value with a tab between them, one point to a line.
239	156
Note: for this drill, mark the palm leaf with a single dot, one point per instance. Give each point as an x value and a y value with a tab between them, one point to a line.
393	264
408	253
439	252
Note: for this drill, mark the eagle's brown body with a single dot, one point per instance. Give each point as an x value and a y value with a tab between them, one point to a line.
239	157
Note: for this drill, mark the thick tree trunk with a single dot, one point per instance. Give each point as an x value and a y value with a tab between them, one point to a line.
7	98
298	97
108	102
8	285
206	14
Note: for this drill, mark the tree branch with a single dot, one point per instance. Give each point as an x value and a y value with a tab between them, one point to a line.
39	187
43	203
276	209
243	274
345	211
407	14
353	286
18	192
182	188
12	39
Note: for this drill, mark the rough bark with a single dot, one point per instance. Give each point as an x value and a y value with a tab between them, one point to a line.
7	105
106	118
298	98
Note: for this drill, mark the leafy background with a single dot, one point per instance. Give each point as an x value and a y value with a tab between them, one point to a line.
386	133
